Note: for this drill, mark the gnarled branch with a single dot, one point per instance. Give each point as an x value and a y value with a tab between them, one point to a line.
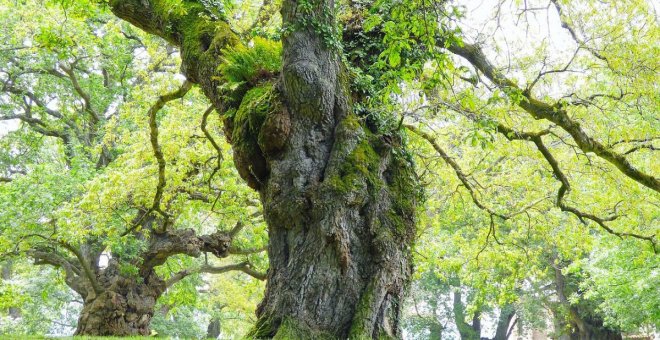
244	267
52	258
457	169
536	138
555	113
158	153
184	241
87	269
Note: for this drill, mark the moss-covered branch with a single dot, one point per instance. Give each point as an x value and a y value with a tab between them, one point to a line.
158	153
201	36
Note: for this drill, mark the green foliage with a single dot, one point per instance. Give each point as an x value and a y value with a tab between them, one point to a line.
410	32
41	300
623	282
233	299
251	64
182	323
512	260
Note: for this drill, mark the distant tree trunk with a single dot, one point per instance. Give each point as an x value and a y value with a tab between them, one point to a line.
213	330
503	322
583	328
124	304
578	321
465	330
597	334
473	331
125	307
13	311
435	331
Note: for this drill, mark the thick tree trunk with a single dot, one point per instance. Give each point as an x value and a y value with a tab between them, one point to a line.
125	307
339	200
340	236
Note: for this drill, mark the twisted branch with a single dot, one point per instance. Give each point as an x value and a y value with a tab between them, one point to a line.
158	153
554	113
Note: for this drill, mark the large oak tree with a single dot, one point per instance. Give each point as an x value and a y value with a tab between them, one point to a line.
317	132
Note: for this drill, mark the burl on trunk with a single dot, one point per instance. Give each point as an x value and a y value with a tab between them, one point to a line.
120	304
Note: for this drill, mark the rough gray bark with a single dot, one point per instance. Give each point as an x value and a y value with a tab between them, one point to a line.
339	206
125	307
339	199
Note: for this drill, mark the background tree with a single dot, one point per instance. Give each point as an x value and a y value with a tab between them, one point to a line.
495	154
79	189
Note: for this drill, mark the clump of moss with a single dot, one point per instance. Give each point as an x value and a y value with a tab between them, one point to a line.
286	329
290	329
362	170
402	180
254	108
361	163
196	29
252	64
259	130
263	328
363	311
252	112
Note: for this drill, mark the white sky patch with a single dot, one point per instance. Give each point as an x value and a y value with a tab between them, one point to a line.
104	259
8	126
510	35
